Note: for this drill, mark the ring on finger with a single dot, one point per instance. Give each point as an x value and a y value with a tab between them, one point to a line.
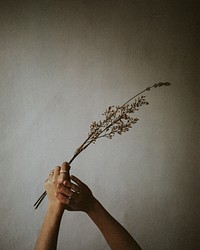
63	171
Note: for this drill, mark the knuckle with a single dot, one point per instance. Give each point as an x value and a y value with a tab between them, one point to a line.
65	163
66	183
68	192
57	168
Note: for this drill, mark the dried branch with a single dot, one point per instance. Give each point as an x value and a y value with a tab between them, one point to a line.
117	120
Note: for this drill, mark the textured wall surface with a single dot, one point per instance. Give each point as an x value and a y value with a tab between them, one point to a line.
62	63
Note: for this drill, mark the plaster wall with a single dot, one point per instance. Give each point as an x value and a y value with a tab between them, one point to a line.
62	64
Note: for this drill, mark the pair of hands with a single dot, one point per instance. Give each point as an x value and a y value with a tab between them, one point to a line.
64	194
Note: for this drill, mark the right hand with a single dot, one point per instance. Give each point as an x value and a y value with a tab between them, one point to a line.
76	195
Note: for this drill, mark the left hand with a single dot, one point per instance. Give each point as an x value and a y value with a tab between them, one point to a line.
57	176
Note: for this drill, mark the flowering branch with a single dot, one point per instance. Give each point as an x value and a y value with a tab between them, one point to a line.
117	120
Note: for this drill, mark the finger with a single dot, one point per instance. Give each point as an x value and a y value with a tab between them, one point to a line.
65	168
56	173
77	181
74	200
51	173
57	170
62	198
66	191
72	186
64	172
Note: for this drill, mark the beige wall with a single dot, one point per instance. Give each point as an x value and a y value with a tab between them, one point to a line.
62	63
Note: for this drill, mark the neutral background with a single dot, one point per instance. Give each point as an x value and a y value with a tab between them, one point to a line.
62	63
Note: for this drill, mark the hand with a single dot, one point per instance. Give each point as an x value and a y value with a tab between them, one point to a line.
76	195
58	175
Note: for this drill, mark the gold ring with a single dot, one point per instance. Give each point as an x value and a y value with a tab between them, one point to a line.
63	171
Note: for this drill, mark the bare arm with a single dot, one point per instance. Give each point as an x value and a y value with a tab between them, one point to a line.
82	199
48	236
114	233
47	239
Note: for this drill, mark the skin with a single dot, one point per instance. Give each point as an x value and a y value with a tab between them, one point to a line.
48	236
82	199
70	193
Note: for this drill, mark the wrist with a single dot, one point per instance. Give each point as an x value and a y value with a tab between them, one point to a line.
56	210
94	207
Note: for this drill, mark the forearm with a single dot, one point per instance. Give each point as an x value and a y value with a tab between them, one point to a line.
48	236
115	234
